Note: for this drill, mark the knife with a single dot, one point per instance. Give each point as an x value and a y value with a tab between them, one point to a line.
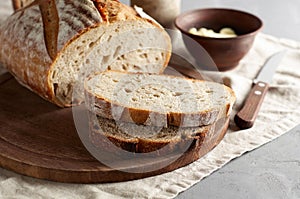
246	116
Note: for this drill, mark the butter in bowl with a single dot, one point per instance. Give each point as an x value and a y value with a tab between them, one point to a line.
226	34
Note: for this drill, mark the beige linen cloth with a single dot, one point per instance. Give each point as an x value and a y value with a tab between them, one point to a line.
280	112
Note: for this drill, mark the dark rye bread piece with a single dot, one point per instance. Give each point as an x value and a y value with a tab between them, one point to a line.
114	136
46	44
157	100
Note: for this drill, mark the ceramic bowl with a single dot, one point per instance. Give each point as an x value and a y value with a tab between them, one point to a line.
225	52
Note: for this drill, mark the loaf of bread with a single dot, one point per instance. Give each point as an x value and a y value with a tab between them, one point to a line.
115	136
48	45
157	100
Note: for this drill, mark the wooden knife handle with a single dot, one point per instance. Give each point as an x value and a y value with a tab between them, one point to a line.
246	116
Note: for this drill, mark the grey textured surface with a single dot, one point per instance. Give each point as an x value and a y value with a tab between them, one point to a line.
272	171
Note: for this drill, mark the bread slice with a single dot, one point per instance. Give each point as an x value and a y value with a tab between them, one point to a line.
49	45
115	136
157	100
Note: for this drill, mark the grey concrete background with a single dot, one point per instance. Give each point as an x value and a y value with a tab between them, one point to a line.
272	171
269	172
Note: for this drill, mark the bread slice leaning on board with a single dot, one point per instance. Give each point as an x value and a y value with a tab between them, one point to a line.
115	136
47	44
157	100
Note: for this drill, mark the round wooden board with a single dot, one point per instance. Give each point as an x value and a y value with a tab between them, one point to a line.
38	139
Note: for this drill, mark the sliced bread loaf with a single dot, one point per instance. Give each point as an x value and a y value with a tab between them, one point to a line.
157	100
116	136
47	44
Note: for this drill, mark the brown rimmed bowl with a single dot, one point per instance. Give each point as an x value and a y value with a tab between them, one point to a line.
225	52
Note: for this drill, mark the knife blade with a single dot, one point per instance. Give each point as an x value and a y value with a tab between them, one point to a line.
247	115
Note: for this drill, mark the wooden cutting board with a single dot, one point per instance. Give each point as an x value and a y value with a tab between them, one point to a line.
40	140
